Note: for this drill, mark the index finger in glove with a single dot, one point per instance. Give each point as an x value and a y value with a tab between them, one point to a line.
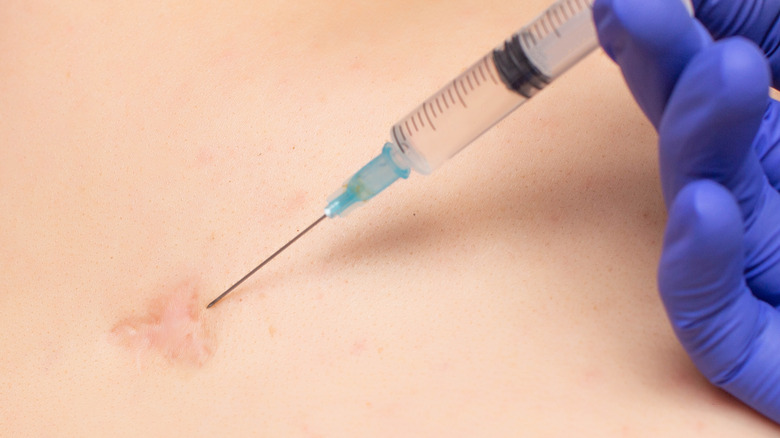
652	41
711	120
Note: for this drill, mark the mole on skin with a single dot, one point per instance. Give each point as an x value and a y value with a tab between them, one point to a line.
172	328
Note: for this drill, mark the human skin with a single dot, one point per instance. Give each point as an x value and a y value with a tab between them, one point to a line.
152	153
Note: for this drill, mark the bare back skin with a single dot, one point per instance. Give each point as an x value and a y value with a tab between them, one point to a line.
151	153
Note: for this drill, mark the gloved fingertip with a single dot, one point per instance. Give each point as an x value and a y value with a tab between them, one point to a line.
652	25
652	41
744	77
712	118
702	243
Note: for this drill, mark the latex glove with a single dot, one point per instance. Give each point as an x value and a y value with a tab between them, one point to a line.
719	275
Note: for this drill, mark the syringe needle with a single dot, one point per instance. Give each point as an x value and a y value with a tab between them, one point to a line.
216	300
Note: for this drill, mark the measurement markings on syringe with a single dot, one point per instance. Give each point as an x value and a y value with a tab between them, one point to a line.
481	71
455	85
530	40
487	67
552	14
553	19
442	103
571	8
463	87
544	22
399	142
425	109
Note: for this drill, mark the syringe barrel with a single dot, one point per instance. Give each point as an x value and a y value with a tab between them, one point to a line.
477	99
560	37
496	85
454	117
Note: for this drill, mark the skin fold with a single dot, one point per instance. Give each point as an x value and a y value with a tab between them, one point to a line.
153	153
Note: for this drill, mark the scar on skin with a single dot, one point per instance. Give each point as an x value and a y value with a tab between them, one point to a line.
173	328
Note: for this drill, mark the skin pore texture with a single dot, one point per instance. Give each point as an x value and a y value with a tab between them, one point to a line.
152	153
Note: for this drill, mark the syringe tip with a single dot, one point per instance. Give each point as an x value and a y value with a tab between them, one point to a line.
371	179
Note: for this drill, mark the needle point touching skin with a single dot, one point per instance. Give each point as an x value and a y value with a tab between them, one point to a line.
172	328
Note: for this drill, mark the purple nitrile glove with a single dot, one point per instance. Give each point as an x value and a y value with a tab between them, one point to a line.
719	274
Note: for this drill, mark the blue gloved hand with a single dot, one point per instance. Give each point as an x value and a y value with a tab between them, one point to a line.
719	137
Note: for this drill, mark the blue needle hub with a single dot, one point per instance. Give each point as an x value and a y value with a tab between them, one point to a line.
374	177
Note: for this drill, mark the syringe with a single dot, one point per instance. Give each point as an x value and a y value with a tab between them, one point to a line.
471	104
476	100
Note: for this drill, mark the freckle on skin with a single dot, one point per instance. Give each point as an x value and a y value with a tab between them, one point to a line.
173	328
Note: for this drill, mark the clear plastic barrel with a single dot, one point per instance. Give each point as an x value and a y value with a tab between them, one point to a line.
560	37
454	116
478	99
